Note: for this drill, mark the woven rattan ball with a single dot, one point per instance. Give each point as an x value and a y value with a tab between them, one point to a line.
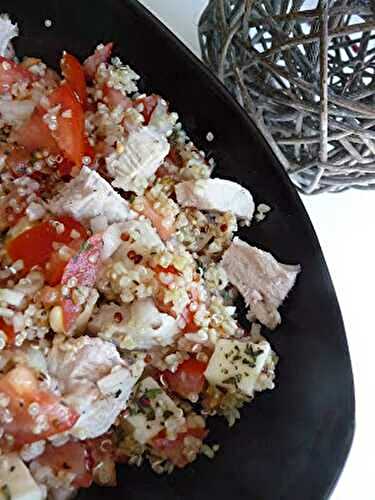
305	70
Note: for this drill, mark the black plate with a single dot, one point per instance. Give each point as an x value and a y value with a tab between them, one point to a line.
291	443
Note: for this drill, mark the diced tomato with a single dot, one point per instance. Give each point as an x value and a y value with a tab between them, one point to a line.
71	457
22	388
11	72
73	73
173	450
84	268
54	269
188	379
100	55
158	221
35	134
114	97
69	133
35	245
8	330
191	326
149	104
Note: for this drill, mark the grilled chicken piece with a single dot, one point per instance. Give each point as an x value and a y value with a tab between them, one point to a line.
216	194
89	195
262	281
144	151
85	369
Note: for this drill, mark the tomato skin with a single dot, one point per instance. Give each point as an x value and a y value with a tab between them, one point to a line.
8	330
69	133
71	457
73	73
22	388
35	245
54	269
187	379
173	449
11	72
84	268
35	135
99	56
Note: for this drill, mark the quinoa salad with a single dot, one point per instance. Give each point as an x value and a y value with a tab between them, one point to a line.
120	273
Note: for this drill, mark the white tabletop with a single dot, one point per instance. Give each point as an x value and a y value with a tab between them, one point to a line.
344	225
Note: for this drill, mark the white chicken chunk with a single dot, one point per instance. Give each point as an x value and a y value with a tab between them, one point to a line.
144	151
262	281
237	364
85	369
89	195
8	30
216	194
16	482
138	326
152	411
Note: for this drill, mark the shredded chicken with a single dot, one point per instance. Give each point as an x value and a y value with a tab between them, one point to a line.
144	151
89	195
262	281
79	365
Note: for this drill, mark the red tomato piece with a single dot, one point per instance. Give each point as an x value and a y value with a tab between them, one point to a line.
8	330
73	73
149	104
11	72
71	312
114	97
69	133
22	388
191	326
84	266
35	134
35	245
100	55
174	450
54	269
188	379
71	457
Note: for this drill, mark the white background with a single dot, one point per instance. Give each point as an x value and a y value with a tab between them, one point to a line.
345	228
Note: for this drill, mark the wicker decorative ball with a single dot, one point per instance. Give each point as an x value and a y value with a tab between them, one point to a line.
305	70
